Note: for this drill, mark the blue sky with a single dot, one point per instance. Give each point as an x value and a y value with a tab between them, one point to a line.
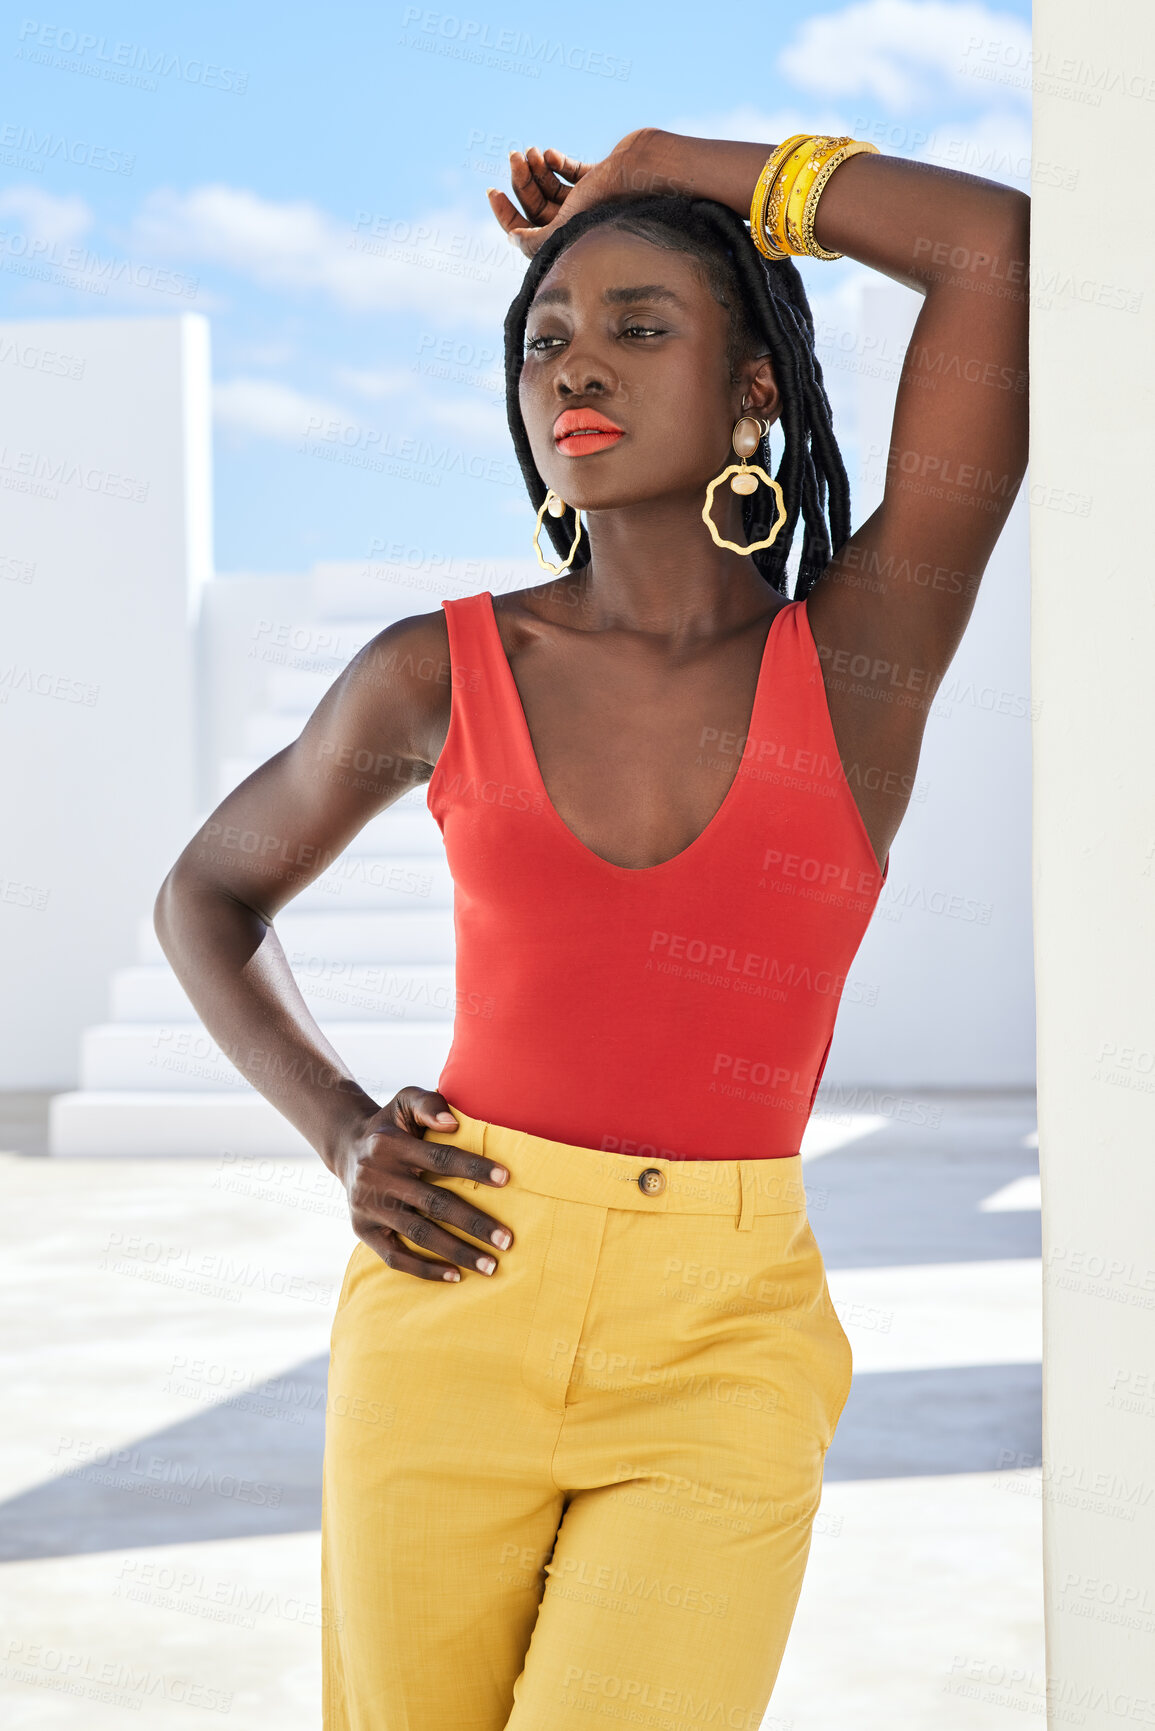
313	182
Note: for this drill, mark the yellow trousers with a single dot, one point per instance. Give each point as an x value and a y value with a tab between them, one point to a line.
585	1484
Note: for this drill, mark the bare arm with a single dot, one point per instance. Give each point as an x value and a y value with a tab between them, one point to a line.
375	734
896	598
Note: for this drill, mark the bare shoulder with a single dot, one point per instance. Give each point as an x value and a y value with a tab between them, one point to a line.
415	649
400	682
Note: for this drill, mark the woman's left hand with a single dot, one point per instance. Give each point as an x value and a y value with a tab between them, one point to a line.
553	187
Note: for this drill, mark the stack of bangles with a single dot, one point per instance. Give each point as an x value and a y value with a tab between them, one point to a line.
785	200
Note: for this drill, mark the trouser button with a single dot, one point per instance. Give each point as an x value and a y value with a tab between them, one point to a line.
652	1181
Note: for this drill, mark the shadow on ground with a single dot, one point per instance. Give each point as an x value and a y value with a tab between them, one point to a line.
901	1424
251	1466
881	1205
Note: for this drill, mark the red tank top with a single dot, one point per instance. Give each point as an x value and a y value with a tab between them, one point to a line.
684	1010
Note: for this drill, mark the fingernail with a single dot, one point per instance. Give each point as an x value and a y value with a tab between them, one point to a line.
446	1118
498	1174
500	1238
486	1264
451	1274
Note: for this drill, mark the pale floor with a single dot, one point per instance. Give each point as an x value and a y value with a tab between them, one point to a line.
176	1313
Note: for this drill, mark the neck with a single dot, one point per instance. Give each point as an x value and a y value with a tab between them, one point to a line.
654	568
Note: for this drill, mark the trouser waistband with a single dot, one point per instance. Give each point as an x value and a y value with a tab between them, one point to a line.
744	1188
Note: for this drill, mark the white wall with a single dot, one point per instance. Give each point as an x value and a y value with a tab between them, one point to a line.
1093	635
942	993
250	624
944	975
106	538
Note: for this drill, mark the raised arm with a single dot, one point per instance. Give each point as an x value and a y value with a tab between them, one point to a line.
897	596
890	609
376	733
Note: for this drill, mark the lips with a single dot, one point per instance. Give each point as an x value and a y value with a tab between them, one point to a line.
578	431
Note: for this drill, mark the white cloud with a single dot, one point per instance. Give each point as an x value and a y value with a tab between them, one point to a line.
893	50
265	354
384	382
61	229
269	409
757	125
480	419
451	265
59	221
995	144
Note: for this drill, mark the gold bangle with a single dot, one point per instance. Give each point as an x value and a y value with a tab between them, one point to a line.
780	195
762	188
800	184
851	147
786	194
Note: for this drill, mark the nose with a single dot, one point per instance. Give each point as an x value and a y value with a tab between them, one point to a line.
584	383
583	376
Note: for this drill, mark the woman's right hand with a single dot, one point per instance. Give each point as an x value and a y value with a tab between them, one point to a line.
539	178
381	1167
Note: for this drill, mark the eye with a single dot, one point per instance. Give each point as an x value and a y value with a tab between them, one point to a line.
535	345
644	330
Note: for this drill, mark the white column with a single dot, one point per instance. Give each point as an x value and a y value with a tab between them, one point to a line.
941	993
105	541
1093	655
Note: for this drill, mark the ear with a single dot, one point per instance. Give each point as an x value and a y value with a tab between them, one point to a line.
760	388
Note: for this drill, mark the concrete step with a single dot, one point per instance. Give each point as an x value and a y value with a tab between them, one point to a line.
313	940
118	1125
310	645
358	882
350	992
156	1058
296	691
270	732
408	827
234	770
385	589
297	687
381	883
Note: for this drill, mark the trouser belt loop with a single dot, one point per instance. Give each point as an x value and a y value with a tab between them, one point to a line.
749	1182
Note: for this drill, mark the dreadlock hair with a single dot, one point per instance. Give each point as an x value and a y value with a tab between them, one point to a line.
769	314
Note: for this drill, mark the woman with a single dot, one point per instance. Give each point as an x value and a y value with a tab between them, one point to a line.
586	1483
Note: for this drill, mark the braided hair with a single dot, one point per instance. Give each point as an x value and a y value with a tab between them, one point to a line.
769	314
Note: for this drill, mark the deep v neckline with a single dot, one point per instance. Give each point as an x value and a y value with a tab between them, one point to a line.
729	798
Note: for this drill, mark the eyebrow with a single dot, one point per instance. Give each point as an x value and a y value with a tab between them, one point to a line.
612	296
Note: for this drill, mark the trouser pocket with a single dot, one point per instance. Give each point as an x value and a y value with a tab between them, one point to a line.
844	1364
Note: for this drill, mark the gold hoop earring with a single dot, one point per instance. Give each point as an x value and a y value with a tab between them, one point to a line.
556	506
747	436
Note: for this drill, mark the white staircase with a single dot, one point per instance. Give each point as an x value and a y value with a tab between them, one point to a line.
370	944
